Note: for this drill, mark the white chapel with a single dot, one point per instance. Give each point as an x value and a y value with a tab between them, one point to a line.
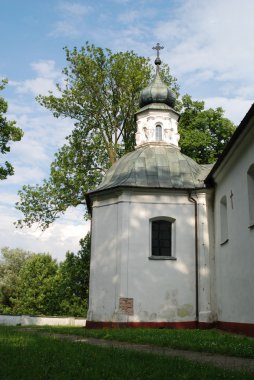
172	240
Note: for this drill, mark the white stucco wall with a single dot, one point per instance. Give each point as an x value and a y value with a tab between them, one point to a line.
146	126
235	259
26	320
162	290
103	267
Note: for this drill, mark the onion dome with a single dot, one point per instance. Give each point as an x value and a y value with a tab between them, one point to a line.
157	91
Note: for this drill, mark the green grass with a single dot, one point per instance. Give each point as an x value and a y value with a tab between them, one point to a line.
213	341
30	356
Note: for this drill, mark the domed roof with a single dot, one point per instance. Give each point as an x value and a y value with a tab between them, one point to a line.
156	165
157	92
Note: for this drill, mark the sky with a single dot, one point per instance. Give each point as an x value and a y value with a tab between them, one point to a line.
208	45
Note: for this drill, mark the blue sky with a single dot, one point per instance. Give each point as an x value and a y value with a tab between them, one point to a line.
208	45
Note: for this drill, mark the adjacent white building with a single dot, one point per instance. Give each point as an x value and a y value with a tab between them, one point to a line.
232	178
172	240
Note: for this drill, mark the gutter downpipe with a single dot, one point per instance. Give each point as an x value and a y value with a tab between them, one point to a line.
193	200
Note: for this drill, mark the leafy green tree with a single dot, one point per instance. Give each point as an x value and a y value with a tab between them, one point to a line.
74	280
33	283
11	262
8	132
37	286
101	94
204	133
100	91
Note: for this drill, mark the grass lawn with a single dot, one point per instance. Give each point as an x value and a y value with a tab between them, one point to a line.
213	341
27	355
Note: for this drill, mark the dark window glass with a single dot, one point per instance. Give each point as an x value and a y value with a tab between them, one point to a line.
158	133
223	219
251	193
161	238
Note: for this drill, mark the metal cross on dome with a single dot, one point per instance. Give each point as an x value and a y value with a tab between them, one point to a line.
158	48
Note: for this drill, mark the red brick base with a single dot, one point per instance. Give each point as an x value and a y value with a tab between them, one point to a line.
237	328
156	325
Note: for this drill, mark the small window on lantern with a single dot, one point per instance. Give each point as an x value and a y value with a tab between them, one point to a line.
158	133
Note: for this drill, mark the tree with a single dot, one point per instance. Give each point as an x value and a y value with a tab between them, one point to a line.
74	280
33	283
37	286
101	94
11	263
8	132
204	133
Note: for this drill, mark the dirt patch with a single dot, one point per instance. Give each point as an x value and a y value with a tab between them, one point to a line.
229	362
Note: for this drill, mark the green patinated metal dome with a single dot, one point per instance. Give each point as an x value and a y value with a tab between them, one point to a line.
157	92
155	166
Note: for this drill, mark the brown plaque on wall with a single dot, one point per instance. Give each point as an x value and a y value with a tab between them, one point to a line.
126	306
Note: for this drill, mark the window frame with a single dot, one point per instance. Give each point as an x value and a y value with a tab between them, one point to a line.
172	221
158	127
223	220
250	185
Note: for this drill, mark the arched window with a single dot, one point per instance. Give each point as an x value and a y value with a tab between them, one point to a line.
250	179
223	220
158	133
162	236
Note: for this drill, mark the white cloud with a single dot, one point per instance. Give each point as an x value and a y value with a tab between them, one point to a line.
200	76
122	2
171	29
46	80
8	199
46	68
128	17
43	135
75	9
235	108
202	38
64	235
31	157
36	86
44	129
71	19
137	14
25	174
245	91
65	28
15	108
31	151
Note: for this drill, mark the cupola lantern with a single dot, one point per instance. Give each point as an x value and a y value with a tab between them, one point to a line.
157	119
